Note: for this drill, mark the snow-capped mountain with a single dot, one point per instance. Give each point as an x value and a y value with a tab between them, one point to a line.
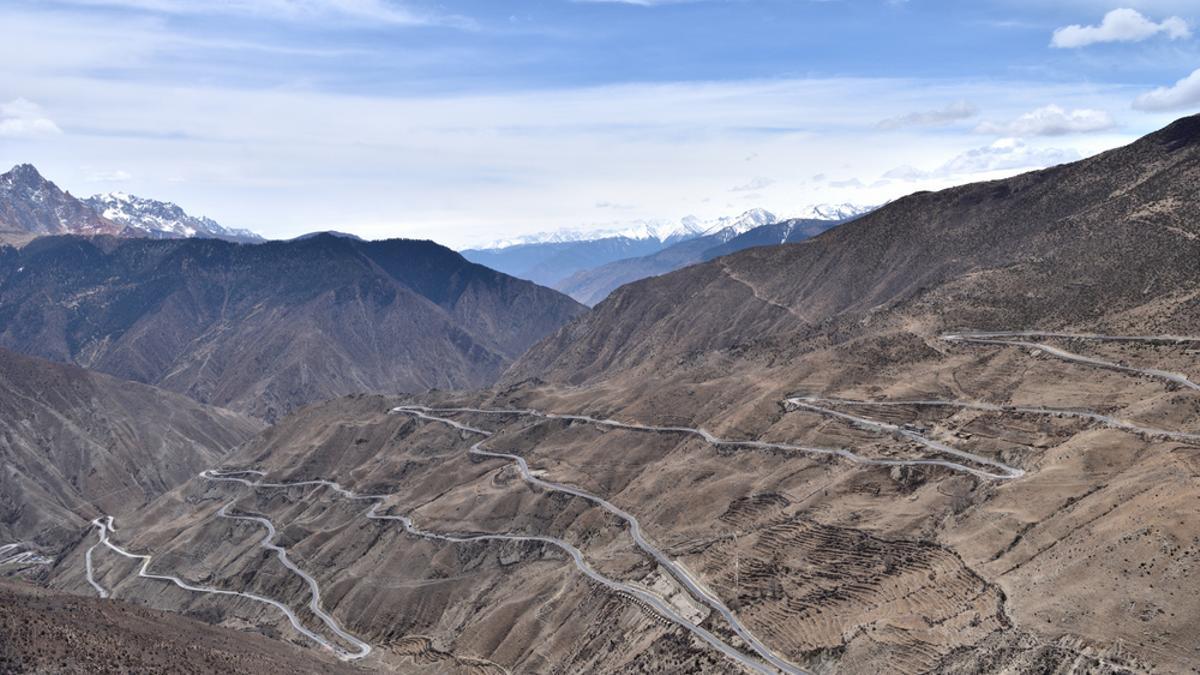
153	218
832	211
641	230
34	206
731	226
663	231
550	258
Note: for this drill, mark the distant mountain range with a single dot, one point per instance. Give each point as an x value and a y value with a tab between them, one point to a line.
662	232
32	206
550	259
161	220
593	285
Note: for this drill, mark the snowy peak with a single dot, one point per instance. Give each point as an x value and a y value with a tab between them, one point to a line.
833	211
638	231
664	231
157	219
32	205
730	227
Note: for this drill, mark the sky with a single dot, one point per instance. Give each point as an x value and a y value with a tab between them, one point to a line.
467	121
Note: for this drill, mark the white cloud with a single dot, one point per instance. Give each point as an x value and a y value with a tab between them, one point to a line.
1051	120
1183	94
1119	25
304	156
21	118
754	184
1004	155
951	113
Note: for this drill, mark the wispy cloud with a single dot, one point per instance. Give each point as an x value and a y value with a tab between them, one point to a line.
109	176
1003	155
954	112
1119	25
376	11
21	118
754	184
1051	120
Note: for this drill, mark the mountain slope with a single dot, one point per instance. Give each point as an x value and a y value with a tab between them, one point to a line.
78	443
1037	249
152	218
785	232
42	634
264	329
836	349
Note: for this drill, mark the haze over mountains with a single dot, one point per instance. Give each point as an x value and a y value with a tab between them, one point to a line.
589	265
590	286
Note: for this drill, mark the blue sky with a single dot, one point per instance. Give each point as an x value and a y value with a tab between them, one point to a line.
466	121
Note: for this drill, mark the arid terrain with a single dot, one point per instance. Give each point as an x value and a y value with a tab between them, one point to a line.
883	450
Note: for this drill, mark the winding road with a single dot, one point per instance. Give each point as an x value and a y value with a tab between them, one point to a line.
980	466
362	649
1100	418
653	601
681	574
1006	472
21	554
1015	339
105	527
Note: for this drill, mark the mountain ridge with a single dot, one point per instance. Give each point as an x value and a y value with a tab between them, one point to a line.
32	205
266	328
156	218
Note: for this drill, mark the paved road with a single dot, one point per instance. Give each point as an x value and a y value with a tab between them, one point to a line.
1105	420
676	570
1006	472
362	649
651	600
105	527
1152	339
1014	340
21	554
724	442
